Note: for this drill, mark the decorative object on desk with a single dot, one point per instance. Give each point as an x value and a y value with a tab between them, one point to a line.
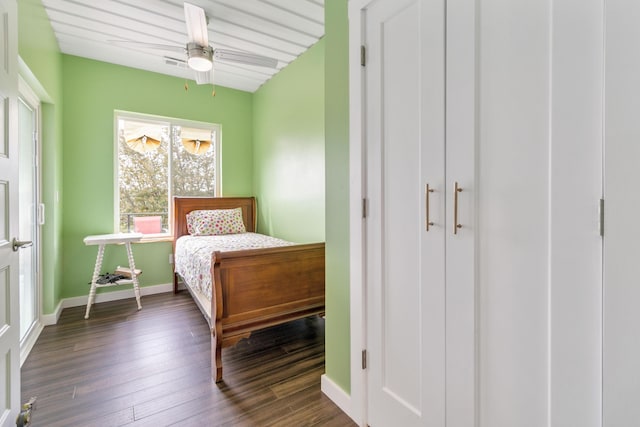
109	278
147	224
126	271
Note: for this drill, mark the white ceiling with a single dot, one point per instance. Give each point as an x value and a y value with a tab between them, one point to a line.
281	29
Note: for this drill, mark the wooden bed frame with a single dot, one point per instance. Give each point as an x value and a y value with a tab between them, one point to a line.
256	288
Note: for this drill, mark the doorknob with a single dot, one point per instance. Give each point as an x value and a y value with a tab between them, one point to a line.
17	244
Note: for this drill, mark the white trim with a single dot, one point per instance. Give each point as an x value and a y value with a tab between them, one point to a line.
117	295
338	396
32	81
29	93
52	319
32	337
356	234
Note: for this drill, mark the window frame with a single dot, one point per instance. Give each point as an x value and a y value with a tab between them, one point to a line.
171	122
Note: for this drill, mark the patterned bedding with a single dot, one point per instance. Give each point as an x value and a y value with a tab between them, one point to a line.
193	254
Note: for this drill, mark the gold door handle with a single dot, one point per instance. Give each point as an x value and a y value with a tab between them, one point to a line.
428	190
456	190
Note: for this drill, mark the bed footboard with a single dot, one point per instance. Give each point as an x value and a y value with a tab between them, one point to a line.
258	288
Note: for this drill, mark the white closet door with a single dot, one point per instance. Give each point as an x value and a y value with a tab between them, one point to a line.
460	235
405	263
621	336
512	263
575	276
538	249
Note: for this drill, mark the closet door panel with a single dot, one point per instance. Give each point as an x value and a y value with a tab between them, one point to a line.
513	211
621	325
432	169
405	261
576	187
401	215
460	244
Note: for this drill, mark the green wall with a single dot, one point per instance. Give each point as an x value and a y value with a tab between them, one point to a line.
337	358
39	50
301	125
92	91
288	156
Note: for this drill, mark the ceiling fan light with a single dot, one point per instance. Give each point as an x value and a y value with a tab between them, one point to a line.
200	63
199	57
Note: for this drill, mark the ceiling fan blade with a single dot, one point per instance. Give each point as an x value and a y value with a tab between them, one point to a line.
204	77
167	47
244	58
196	24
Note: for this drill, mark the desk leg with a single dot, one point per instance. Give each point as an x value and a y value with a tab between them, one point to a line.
96	273
134	278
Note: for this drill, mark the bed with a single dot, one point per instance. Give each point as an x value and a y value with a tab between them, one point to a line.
250	289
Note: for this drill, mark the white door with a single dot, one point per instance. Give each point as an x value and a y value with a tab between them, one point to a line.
513	214
413	239
405	263
537	158
621	327
9	280
31	215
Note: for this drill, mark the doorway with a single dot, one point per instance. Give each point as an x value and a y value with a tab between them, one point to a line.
31	217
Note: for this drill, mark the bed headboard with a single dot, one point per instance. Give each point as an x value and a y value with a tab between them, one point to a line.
183	205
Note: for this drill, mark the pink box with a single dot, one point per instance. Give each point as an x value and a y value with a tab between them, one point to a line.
147	224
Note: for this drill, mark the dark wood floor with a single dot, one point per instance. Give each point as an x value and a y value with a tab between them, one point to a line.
152	368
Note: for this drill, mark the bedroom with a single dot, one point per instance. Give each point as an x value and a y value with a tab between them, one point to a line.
74	191
540	344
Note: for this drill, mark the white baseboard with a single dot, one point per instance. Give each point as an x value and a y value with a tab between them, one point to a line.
52	319
337	395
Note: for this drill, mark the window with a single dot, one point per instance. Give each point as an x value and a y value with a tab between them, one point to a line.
158	158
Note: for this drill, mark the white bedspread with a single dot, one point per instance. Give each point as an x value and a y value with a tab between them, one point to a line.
193	254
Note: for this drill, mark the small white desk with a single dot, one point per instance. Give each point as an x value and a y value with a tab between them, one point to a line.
112	239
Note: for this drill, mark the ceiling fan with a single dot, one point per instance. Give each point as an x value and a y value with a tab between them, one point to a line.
199	54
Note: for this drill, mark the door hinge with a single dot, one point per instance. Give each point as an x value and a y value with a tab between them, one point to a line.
364	359
364	208
601	217
363	55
